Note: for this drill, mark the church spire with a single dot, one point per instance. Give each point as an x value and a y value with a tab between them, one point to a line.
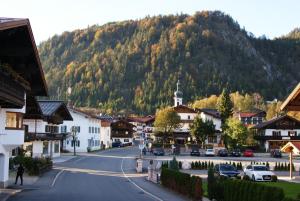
178	95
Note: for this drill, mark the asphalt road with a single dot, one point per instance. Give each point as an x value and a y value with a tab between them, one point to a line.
102	176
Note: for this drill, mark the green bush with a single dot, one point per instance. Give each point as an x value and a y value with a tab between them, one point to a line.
274	178
241	190
33	166
182	183
174	164
246	178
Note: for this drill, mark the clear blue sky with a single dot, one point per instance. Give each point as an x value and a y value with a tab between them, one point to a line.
270	17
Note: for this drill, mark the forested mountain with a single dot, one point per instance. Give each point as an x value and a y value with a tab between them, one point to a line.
134	65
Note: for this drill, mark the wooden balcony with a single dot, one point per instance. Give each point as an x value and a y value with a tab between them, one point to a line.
44	136
11	92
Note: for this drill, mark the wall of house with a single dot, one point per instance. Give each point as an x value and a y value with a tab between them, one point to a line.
105	135
35	125
269	132
123	140
9	139
217	122
83	136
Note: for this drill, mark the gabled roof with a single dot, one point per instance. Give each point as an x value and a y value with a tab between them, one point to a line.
292	146
18	50
184	109
81	112
212	112
292	103
54	111
271	124
146	119
253	113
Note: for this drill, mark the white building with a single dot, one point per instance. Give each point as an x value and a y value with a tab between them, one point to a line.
21	77
214	116
275	133
143	126
44	136
88	136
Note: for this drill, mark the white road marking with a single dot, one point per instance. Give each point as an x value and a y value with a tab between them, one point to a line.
132	182
57	175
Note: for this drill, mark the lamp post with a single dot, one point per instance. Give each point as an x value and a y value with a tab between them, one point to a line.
74	137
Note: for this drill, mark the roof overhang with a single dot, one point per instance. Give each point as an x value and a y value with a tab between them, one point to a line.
18	50
293	147
292	103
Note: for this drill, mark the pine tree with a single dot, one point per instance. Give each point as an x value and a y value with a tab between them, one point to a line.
225	108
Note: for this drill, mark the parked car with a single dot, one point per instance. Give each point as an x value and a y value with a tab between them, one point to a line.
209	152
158	151
276	153
258	173
225	170
117	144
248	153
235	153
223	153
195	151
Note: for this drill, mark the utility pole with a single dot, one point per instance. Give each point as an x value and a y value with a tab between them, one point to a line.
74	136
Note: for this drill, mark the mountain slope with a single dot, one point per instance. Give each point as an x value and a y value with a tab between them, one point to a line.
134	65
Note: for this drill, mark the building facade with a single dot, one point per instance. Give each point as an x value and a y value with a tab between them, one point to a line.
275	133
251	118
43	134
122	131
21	78
88	132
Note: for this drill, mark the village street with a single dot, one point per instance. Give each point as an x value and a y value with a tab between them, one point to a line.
107	176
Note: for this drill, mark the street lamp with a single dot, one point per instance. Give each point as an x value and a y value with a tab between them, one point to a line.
74	131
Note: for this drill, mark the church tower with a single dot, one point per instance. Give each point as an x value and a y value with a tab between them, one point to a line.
178	95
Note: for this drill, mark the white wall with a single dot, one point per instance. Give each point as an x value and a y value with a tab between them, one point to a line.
217	122
83	136
105	135
114	139
269	132
9	139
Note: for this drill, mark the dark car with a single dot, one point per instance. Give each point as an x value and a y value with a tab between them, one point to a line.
226	170
276	153
117	144
158	151
235	153
223	153
195	151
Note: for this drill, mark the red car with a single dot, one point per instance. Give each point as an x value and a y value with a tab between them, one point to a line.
248	153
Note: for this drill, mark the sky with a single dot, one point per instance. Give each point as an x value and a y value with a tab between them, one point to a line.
272	18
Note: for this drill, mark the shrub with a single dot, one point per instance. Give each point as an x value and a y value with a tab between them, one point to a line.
274	178
174	164
180	165
211	183
246	178
34	166
182	183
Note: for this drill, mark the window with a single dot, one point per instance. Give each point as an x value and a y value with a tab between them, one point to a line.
45	147
212	139
276	133
292	133
78	143
63	129
189	117
126	140
56	147
51	129
14	120
90	129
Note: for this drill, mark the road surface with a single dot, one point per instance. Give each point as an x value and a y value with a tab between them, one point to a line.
103	176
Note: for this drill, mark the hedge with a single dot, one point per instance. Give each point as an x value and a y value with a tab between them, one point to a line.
224	189
198	165
33	166
283	166
182	183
